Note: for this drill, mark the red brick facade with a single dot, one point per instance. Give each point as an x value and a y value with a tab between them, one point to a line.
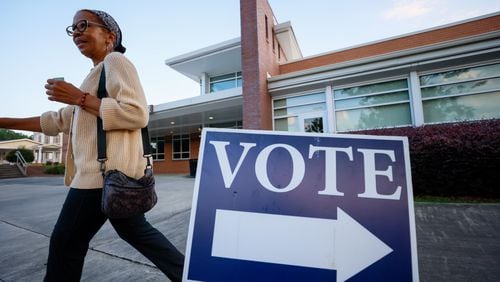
403	43
168	165
260	52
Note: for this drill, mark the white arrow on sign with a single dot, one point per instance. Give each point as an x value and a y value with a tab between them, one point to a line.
343	245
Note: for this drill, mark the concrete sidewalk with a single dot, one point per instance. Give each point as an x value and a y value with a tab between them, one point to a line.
29	208
456	242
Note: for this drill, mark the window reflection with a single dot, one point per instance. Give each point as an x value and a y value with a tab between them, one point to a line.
464	94
460	108
377	105
374	117
313	125
226	81
287	110
158	148
460	75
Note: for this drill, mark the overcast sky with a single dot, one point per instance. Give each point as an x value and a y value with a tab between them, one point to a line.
35	45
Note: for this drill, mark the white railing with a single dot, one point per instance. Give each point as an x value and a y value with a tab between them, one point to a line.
21	163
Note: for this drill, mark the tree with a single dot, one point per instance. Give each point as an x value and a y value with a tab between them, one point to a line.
6	134
27	155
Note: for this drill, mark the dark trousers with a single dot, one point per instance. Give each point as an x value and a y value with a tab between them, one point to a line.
79	221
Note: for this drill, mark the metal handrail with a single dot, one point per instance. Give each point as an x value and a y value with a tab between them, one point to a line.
21	163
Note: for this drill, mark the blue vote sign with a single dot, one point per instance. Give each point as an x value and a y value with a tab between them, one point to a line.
279	206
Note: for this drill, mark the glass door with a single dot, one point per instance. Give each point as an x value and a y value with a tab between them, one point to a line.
313	122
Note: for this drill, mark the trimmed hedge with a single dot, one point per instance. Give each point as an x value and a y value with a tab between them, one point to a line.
454	159
54	169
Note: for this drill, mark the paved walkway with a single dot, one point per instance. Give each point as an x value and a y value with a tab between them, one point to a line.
455	242
29	208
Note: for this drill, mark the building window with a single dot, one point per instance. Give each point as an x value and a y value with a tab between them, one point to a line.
158	148
227	81
314	124
273	39
384	104
56	139
231	124
267	27
463	94
180	147
302	113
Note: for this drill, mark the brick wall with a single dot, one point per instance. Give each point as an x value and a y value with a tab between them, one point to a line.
177	166
408	42
258	59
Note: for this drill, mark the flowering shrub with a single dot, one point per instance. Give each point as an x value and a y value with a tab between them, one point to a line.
454	159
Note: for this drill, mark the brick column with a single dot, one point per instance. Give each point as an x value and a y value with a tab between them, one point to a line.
259	58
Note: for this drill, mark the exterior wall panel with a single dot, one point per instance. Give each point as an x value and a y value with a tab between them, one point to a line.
177	166
393	45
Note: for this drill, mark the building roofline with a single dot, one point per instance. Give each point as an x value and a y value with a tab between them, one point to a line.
18	140
286	37
391	56
228	44
198	100
397	37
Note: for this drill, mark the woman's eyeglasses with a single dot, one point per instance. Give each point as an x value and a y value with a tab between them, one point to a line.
81	26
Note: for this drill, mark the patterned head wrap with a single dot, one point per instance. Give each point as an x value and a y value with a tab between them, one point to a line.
112	25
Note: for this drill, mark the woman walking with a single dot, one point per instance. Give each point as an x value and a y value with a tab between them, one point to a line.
124	112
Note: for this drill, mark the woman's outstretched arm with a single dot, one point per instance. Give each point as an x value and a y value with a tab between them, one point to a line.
28	124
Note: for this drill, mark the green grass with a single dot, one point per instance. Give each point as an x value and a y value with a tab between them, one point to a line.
438	199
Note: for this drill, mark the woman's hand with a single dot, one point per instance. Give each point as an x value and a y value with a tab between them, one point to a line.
62	91
67	93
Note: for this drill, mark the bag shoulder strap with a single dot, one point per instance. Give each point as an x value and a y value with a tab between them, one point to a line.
101	134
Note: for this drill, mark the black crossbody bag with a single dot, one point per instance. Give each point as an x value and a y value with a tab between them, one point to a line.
124	196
